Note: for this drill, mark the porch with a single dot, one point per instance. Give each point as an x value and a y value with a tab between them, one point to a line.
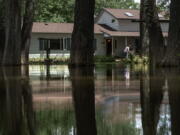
116	42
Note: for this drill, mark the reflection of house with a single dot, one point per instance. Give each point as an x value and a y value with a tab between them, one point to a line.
114	29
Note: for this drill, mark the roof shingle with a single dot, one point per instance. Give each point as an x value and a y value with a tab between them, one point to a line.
40	27
120	13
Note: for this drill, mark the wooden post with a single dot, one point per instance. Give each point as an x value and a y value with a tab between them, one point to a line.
126	43
112	46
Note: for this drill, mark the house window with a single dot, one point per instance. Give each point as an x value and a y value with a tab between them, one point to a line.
115	44
128	14
95	44
67	43
43	44
61	43
54	44
112	20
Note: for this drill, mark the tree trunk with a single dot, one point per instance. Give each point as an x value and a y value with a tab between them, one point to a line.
26	31
83	33
172	54
2	42
144	47
154	37
2	30
12	50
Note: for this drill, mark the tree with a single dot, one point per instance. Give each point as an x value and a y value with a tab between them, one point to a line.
121	4
12	54
173	48
26	30
2	29
82	50
163	5
15	33
54	11
62	10
152	33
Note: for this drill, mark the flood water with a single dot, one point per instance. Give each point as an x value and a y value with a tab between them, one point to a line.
105	100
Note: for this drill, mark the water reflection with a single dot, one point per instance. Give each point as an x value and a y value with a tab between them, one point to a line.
127	75
105	100
174	99
84	99
151	99
16	114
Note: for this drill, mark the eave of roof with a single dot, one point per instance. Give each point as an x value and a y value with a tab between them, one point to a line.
58	28
120	14
67	28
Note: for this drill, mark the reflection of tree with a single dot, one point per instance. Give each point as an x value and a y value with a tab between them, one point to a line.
174	100
16	114
151	98
84	99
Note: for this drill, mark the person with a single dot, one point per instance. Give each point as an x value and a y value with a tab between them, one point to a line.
126	51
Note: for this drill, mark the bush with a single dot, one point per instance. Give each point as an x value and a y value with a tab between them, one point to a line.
104	59
136	59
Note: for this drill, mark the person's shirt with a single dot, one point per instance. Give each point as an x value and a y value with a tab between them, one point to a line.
126	49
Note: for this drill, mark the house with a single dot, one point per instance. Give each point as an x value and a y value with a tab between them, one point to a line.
113	30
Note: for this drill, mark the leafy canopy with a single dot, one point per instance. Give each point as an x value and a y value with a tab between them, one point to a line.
63	10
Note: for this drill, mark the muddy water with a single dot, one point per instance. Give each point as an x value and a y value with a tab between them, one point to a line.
105	100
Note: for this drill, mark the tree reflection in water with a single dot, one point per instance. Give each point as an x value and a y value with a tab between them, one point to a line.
151	88
83	89
16	114
174	99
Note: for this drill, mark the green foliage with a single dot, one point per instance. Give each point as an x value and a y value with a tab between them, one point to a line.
104	59
136	59
54	10
163	5
63	10
49	121
121	4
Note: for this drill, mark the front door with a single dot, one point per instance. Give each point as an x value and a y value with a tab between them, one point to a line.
109	47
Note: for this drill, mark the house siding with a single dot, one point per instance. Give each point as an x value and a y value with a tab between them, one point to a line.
107	18
101	46
35	51
128	25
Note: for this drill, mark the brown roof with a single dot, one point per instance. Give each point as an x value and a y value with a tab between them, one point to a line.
40	27
127	34
68	28
120	13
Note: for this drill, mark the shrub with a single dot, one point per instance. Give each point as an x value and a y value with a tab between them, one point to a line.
104	59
